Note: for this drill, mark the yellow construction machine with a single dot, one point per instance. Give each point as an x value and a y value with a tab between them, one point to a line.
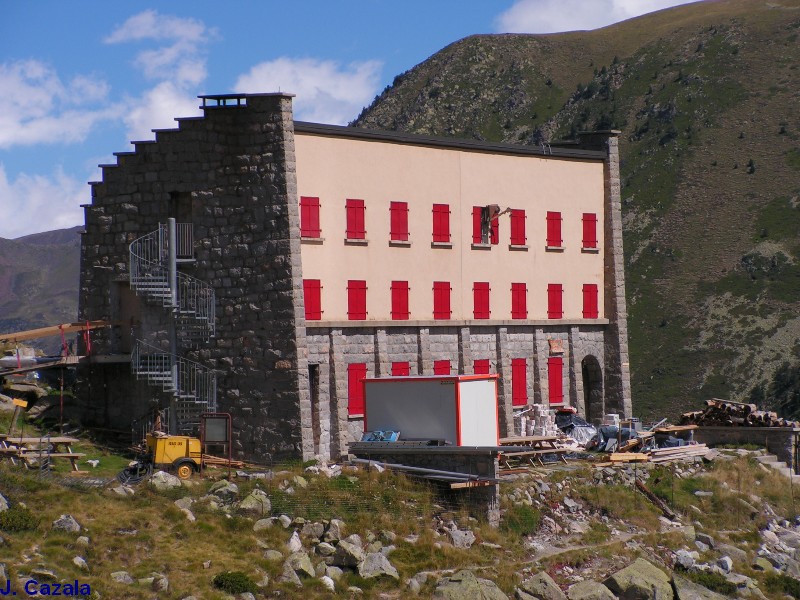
178	453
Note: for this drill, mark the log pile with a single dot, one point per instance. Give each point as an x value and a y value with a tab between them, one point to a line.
734	414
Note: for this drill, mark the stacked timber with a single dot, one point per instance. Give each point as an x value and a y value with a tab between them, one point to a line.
662	455
734	414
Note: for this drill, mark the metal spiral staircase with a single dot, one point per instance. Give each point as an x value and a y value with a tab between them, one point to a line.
190	304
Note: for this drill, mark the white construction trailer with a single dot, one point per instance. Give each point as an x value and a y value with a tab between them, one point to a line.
461	410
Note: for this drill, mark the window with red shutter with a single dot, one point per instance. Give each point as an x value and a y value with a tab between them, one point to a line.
589	230
590	304
356	300
441	367
400	300
309	217
312	298
441	300
480	295
518	237
477	237
356	373
398	221
494	231
555	379
519	301
441	222
356	228
554	230
519	382
400	369
554	304
481	366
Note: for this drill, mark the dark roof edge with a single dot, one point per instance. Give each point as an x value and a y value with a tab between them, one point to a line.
397	137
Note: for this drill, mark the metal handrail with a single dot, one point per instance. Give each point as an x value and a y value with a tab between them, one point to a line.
195	382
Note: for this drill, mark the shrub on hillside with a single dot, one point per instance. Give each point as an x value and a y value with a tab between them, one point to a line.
17	519
234	582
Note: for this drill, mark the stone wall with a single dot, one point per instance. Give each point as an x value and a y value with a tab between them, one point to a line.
484	502
236	164
780	441
333	349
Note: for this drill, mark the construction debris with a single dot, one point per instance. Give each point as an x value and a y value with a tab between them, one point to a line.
734	414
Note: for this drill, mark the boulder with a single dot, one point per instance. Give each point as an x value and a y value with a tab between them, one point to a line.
313	530
3	503
461	538
735	553
328	583
377	565
705	539
325	549
540	587
256	504
122	577
294	544
163	481
684	559
640	581
689	590
160	583
289	576
762	564
185	502
224	490
301	564
263	524
348	555
589	590
66	523
80	562
725	563
334	532
273	556
465	586
334	573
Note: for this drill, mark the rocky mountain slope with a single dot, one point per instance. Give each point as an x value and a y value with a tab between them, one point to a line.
707	97
39	281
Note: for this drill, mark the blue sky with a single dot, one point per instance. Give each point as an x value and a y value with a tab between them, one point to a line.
79	80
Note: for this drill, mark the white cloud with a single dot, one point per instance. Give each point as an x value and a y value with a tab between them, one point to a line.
157	109
39	108
41	203
327	92
550	16
182	60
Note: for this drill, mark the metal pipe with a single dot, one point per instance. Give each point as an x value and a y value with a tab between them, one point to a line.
364	461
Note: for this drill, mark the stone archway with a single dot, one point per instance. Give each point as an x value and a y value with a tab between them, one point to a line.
593	389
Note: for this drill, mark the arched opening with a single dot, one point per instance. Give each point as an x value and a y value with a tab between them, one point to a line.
592	389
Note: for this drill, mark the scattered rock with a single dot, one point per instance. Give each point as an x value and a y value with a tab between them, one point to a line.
160	583
185	502
461	538
224	490
263	524
273	556
294	544
325	549
334	531
82	541
80	562
705	539
377	565
689	590
300	481
66	523
725	563
762	564
285	521
3	503
684	559
348	555
313	530
334	573
328	583
289	576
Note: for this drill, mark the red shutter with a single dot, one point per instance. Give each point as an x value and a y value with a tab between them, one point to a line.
356	372
480	296
355	220
481	366
476	225
356	300
589	230
494	231
554	306
309	217
519	301
590	301
555	379
441	222
398	221
519	382
400	300
441	300
400	369
554	229
518	237
441	367
312	298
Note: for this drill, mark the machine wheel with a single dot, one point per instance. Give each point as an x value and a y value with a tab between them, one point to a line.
184	470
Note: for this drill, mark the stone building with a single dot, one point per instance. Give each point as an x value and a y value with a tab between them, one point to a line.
311	256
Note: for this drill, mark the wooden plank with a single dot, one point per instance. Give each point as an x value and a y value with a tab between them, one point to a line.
629	457
470	484
32	334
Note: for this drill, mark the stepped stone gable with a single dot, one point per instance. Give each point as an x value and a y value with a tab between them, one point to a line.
237	166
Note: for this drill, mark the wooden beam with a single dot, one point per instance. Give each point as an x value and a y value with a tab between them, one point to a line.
32	334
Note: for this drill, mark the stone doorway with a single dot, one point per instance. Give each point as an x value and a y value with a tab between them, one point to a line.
593	389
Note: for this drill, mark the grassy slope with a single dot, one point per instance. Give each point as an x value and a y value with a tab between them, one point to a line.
711	238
